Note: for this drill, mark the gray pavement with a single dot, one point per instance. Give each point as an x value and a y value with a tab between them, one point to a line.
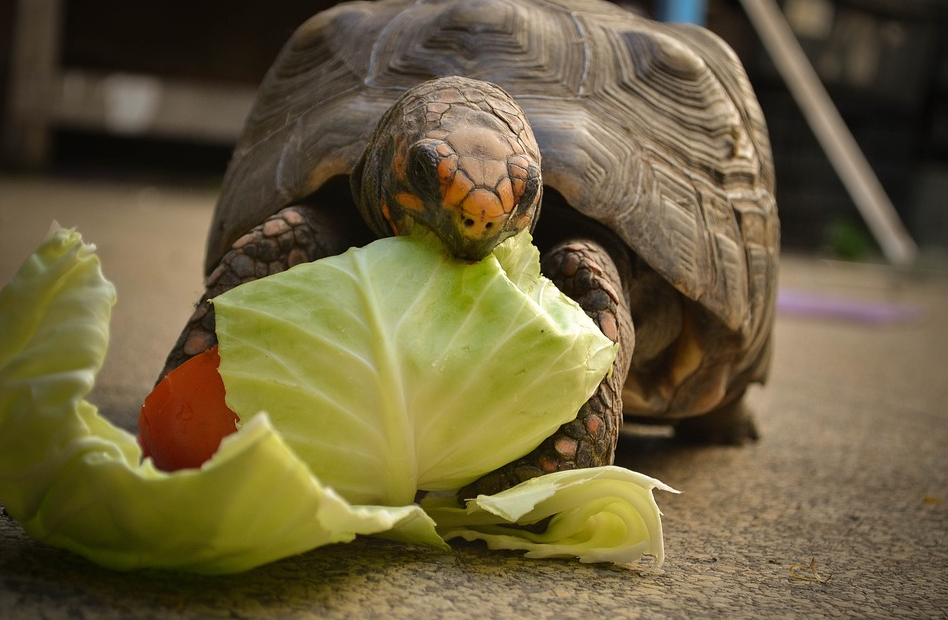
850	474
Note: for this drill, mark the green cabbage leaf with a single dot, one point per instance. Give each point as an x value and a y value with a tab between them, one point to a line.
599	514
397	367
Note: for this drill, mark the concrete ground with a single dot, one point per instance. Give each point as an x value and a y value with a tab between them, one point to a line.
851	472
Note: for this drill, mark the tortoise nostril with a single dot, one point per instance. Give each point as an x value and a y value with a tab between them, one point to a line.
489	225
468	222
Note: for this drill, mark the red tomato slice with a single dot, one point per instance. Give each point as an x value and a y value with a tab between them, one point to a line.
183	420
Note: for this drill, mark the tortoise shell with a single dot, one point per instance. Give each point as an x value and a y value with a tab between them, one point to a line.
650	129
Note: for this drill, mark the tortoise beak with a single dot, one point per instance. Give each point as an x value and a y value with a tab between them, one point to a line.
464	246
474	250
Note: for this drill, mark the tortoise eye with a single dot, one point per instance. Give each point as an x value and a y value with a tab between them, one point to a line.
422	170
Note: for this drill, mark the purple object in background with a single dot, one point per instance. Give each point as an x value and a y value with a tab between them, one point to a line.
815	305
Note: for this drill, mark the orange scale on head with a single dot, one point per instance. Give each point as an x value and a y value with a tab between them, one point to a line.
387	214
482	204
401	160
504	190
447	168
410	201
459	188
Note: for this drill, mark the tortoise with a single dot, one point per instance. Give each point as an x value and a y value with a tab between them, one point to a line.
656	184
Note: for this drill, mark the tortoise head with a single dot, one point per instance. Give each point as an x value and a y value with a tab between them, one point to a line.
457	156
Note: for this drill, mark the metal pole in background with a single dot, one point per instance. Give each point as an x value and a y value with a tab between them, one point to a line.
831	131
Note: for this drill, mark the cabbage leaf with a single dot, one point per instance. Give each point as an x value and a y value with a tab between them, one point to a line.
599	514
397	367
75	481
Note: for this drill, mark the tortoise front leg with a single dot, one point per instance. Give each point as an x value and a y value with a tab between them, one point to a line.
297	234
585	271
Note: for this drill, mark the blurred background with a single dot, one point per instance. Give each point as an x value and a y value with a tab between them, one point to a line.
157	91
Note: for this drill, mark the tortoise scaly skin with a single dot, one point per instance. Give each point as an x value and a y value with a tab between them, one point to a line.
657	188
293	235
